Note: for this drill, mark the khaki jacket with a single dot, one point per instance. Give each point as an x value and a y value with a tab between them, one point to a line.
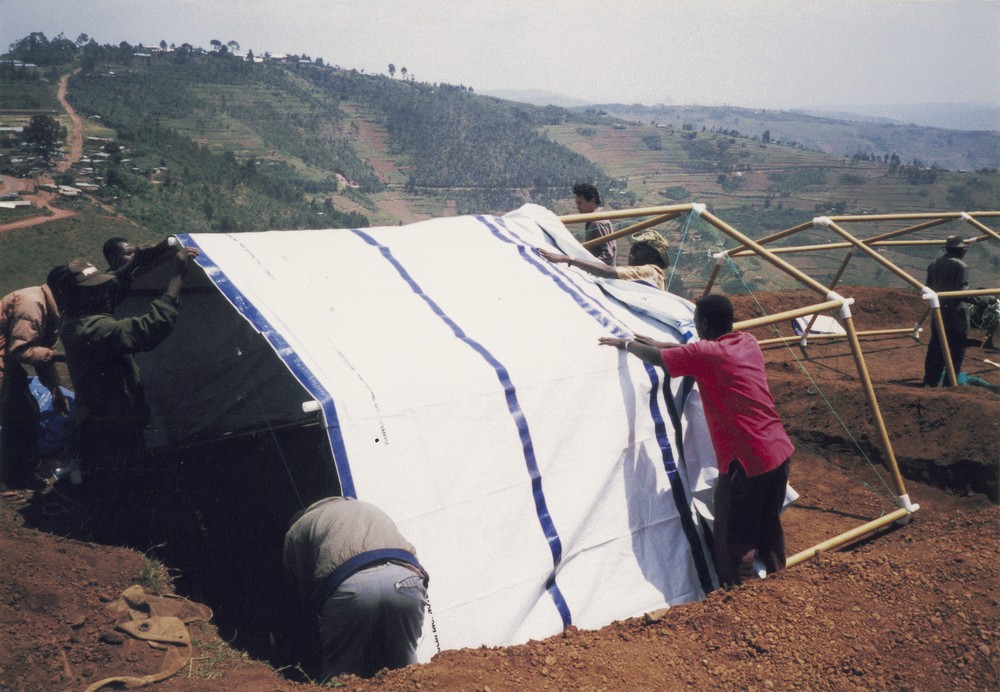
29	329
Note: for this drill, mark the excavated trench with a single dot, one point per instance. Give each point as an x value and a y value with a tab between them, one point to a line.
215	514
222	535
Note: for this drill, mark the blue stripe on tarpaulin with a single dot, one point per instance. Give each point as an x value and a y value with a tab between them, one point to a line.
675	405
288	356
609	289
516	414
684	508
591	306
594	309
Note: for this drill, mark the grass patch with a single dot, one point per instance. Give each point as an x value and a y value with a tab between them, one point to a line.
154	576
27	254
26	94
214	658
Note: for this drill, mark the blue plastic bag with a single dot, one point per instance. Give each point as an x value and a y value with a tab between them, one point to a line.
55	430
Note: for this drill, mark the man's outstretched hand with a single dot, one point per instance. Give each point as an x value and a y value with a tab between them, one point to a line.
181	259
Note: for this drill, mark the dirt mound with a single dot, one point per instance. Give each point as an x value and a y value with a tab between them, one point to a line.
945	436
913	607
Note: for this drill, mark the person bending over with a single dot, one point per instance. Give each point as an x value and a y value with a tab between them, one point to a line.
353	568
29	329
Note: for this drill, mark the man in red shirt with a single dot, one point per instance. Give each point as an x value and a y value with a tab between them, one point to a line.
751	446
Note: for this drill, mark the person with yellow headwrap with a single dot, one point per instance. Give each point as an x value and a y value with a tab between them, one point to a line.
648	260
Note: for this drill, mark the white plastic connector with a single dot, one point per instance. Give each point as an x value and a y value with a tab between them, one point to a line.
822	221
917	329
698	209
904	503
965	216
173	242
927	293
721	257
310	406
803	342
845	304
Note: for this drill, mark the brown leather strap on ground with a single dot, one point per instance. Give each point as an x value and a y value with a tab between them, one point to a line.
159	621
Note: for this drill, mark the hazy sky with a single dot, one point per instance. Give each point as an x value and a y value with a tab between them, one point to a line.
761	54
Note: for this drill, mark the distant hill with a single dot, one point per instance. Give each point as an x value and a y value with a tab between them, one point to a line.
203	141
537	97
950	116
932	146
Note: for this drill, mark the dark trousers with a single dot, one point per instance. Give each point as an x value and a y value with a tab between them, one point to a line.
20	420
113	458
748	522
956	327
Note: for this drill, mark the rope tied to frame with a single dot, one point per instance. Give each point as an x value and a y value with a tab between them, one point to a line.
889	494
695	212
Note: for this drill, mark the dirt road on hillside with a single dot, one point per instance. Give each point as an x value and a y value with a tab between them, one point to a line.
76	131
42	199
39	199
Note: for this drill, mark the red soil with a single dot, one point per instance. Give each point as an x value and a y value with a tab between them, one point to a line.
912	608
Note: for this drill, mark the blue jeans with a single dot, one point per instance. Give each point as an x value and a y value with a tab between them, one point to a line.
372	621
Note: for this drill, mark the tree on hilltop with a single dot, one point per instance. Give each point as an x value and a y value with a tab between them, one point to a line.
392	70
36	48
43	134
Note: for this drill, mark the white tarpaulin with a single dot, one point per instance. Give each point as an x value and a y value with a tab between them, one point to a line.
821	324
545	480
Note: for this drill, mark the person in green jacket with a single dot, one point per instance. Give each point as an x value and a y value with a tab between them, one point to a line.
111	410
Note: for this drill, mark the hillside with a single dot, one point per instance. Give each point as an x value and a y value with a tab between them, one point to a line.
933	146
204	141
